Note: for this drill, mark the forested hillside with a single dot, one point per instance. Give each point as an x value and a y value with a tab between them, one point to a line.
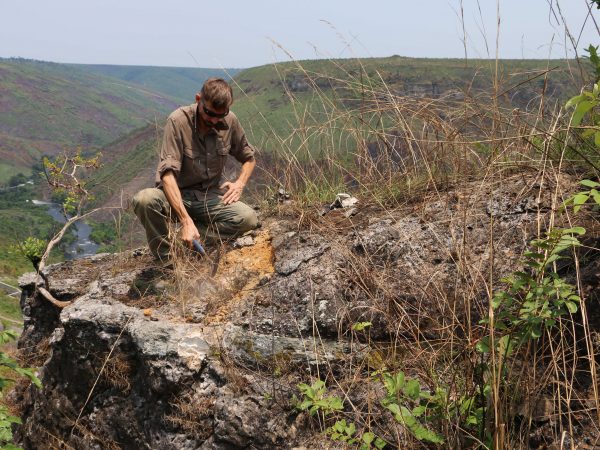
46	107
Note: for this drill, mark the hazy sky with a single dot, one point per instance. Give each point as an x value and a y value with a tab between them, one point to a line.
195	33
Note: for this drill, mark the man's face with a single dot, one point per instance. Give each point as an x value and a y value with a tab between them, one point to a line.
210	115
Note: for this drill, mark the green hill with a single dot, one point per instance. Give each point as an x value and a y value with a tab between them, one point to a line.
46	107
177	83
128	165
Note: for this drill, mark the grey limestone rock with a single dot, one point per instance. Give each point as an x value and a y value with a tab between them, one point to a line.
124	367
298	249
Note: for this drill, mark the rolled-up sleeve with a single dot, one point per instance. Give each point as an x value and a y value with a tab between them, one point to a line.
171	152
240	148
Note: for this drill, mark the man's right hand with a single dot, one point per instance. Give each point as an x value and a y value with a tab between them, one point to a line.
189	232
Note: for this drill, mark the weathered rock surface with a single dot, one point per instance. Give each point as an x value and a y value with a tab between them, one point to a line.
195	362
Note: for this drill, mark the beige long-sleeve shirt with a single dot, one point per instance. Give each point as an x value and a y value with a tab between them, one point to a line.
197	159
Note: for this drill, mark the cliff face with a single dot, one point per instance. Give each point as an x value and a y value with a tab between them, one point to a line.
186	360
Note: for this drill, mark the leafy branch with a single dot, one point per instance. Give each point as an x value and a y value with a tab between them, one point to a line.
66	177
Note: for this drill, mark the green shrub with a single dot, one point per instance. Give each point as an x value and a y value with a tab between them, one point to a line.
9	366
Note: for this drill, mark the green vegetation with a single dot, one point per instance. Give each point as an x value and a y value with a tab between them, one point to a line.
345	432
19	219
536	298
315	401
414	408
392	130
108	234
9	367
112	175
7	173
10	309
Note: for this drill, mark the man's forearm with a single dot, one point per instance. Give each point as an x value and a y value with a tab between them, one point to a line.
189	232
246	171
174	198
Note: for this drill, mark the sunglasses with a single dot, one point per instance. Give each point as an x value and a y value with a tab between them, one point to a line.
210	113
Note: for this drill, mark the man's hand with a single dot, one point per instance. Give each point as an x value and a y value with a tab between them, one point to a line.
189	232
234	191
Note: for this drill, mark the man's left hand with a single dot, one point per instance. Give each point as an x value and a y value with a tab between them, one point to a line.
234	192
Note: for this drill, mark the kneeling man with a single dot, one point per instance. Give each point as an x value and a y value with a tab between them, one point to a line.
196	143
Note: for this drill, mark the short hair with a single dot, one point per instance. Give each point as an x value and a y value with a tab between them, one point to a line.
218	92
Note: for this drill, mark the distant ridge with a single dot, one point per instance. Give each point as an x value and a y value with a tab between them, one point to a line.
178	83
47	107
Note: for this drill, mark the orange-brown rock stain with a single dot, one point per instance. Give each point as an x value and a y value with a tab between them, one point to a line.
246	267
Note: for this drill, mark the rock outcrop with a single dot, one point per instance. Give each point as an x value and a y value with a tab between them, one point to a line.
183	360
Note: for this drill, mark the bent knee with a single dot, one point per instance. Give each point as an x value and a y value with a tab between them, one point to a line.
145	198
249	220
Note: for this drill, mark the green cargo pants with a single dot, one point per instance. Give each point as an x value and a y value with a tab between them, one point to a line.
212	217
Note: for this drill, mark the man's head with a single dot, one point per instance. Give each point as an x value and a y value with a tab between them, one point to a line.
214	101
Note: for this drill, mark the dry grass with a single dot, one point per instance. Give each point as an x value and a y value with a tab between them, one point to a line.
399	154
193	415
118	371
33	356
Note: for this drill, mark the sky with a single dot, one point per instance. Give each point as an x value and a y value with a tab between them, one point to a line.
236	33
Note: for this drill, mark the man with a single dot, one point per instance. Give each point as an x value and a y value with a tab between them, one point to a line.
196	143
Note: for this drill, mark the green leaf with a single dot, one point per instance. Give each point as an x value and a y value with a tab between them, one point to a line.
505	345
339	426
335	403
580	199
589	183
582	108
418	411
360	326
368	437
11	447
412	389
394	408
597	138
305	405
483	346
407	418
423	434
393	383
351	429
575	230
573	101
571	306
380	443
534	255
319	384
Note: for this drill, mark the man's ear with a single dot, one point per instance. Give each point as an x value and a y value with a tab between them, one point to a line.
198	96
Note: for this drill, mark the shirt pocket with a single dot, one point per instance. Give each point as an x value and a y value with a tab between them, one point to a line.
193	161
222	152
